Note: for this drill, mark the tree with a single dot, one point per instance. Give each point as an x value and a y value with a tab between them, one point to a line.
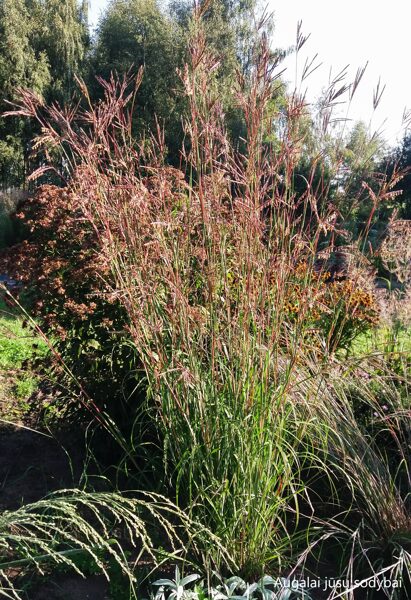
230	29
134	34
42	46
401	159
359	155
64	38
20	63
362	150
20	66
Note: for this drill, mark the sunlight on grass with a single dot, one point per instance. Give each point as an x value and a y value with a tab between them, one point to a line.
19	347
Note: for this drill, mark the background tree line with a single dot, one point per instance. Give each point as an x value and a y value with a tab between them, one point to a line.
44	44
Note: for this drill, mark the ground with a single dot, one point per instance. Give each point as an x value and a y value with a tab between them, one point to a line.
34	459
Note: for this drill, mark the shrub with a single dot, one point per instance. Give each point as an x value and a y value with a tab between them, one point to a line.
336	311
63	279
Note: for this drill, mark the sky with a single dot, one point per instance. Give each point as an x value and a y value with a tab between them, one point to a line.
95	8
356	32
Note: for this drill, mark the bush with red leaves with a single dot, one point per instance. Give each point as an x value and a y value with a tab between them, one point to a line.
64	278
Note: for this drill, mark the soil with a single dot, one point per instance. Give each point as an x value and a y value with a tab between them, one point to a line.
32	464
73	588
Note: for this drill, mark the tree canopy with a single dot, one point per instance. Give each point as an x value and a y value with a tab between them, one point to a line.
134	34
42	46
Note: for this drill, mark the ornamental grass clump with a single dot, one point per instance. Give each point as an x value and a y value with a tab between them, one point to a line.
205	261
364	529
77	530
